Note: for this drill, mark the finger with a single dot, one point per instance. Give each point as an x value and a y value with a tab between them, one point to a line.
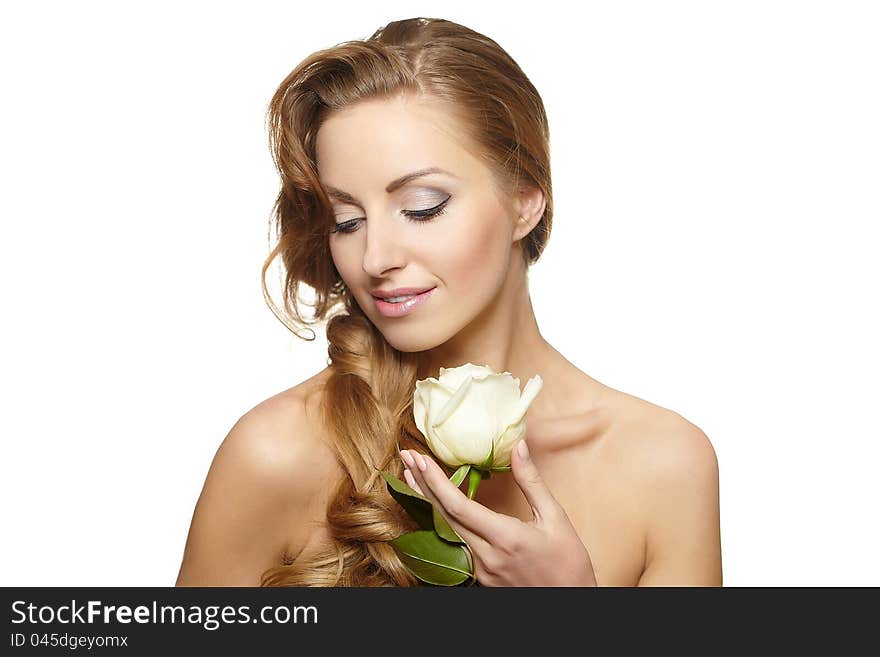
412	483
415	479
418	483
476	543
469	514
527	477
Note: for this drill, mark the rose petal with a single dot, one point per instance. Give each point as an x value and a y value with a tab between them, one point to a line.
470	431
450	406
453	377
533	387
507	441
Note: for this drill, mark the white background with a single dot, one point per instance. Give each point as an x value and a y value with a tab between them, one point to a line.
714	251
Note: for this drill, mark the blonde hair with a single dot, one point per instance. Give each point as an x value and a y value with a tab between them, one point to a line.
367	399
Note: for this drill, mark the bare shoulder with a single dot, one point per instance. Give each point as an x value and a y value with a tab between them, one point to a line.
262	487
283	430
674	471
659	436
279	438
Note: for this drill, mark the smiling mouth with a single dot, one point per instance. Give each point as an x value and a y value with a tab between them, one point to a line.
399	306
401	297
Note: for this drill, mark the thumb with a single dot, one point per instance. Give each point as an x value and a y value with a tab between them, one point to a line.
527	477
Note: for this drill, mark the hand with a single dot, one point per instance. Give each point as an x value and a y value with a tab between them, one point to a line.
545	551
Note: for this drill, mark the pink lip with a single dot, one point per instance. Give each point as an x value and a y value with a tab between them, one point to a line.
403	307
398	292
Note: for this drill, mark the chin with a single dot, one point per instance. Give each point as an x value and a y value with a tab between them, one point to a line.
401	343
409	339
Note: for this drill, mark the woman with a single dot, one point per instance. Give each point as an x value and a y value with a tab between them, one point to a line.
419	159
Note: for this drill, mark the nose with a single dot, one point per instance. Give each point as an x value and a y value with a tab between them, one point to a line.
383	251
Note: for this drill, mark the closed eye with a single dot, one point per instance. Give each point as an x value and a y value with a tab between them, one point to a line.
419	216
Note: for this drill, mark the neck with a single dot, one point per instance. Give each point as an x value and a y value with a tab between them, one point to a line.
504	337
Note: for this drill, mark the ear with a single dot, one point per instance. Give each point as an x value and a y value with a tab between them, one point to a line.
530	206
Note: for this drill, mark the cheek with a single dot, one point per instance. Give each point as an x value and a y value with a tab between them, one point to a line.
477	258
344	259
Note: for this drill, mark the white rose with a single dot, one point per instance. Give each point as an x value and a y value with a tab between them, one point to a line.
470	408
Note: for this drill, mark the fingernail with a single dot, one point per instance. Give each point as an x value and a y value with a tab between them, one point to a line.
407	458
523	449
421	462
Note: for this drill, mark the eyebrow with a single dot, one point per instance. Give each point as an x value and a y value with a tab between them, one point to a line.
393	186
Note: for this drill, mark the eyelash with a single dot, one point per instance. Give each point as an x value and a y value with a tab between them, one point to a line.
417	216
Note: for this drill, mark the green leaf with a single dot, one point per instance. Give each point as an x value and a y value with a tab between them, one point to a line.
417	506
420	508
444	529
459	475
432	559
441	526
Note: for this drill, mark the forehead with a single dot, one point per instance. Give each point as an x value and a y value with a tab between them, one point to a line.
376	141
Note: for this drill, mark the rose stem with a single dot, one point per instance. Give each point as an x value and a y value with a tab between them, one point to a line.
474	477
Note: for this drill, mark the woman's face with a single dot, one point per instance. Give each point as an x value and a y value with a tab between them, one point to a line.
463	250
